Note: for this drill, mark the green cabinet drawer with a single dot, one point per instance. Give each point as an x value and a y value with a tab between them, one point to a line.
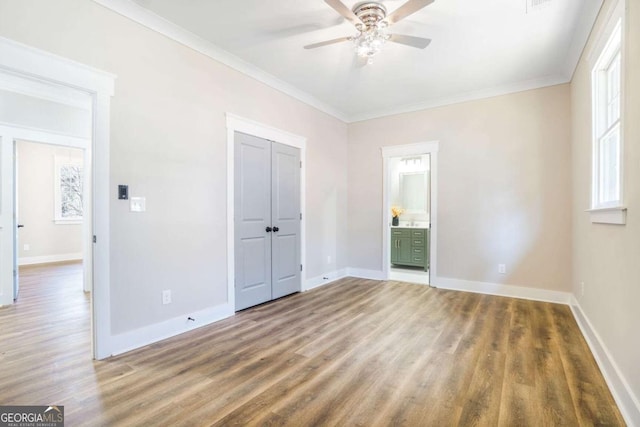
417	234
400	232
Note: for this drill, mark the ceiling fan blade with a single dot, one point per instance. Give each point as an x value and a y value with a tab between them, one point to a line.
320	44
344	11
412	41
409	8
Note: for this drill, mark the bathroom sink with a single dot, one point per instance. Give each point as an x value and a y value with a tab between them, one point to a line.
417	224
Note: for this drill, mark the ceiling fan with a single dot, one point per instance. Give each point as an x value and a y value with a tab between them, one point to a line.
371	22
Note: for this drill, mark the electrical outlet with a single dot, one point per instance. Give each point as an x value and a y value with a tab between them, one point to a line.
27	247
166	296
581	289
328	259
502	269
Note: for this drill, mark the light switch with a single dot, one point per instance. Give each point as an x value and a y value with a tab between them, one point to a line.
138	204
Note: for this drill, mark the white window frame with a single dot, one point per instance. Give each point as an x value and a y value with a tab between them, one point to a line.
608	47
59	163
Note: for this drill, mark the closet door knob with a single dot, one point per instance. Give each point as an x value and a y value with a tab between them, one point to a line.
268	229
276	229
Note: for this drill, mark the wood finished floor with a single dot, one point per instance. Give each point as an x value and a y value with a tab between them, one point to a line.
356	352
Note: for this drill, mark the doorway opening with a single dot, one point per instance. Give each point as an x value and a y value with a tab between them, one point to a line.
49	209
46	204
409	226
409	194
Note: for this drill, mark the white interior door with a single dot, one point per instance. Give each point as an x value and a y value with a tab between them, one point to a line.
266	220
285	217
8	265
253	229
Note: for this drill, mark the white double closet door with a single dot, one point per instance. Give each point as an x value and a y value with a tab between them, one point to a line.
267	220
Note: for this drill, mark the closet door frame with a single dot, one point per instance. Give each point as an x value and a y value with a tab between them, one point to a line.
239	124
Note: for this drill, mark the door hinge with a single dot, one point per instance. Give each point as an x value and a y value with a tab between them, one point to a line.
301	216
300	164
95	239
300	267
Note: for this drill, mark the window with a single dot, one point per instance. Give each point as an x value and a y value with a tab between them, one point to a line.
607	129
68	190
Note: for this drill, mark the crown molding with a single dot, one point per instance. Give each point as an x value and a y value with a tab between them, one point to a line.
147	18
464	97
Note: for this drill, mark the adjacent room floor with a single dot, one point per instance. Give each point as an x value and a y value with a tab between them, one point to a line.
356	352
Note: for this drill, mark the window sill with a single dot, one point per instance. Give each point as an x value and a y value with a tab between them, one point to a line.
614	215
67	221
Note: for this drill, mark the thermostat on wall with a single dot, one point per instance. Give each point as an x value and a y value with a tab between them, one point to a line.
138	204
123	192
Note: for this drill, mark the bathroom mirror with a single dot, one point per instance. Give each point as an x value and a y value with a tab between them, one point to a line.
414	192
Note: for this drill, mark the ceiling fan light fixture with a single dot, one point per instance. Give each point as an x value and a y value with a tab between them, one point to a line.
371	22
369	42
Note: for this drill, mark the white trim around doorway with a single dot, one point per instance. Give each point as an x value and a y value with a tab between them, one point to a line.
431	148
250	127
48	69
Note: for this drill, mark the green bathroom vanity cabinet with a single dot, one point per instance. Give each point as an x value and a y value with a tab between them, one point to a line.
410	246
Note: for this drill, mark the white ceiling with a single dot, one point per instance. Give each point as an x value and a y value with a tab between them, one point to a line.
480	48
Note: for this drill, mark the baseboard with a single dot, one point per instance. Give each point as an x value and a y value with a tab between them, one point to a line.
159	331
512	291
419	278
324	279
628	403
363	273
478	287
49	258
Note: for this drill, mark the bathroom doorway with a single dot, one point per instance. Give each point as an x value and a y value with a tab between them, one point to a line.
409	207
409	194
